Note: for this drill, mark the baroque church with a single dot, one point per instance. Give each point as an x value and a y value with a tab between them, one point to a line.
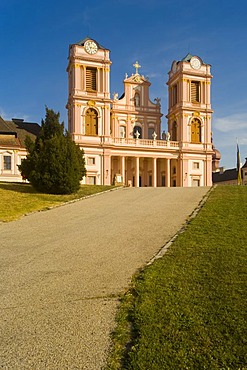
121	135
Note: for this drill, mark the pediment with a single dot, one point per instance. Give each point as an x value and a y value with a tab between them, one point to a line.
136	78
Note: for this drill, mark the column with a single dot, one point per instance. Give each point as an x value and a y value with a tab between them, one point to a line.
137	173
123	169
107	167
168	172
154	172
16	171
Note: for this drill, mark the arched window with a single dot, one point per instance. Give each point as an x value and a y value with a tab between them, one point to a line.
139	134
195	130
91	122
174	131
150	133
137	100
122	132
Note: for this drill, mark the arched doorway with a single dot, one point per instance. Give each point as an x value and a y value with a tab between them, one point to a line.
91	122
195	130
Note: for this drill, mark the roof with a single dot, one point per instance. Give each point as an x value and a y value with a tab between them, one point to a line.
245	165
188	57
13	133
227	175
4	128
82	42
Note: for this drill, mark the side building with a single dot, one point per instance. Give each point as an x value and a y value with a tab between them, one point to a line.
12	146
230	176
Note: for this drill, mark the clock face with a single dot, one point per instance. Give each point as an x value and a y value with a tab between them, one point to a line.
195	63
91	47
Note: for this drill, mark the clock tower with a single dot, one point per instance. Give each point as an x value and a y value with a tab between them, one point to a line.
189	119
89	90
89	106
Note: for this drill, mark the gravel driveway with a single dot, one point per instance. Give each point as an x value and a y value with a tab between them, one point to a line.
62	271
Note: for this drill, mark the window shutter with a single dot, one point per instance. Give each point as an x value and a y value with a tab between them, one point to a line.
91	79
195	91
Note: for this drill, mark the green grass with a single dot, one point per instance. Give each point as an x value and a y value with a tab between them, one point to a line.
188	309
18	199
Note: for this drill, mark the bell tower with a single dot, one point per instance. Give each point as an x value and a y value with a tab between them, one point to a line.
89	90
189	119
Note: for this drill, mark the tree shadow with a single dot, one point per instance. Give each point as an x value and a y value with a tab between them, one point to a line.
17	187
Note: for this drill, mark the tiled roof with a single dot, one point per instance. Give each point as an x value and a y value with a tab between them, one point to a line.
4	128
227	175
9	140
17	130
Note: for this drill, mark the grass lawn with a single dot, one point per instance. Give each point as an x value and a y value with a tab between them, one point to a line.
188	309
18	199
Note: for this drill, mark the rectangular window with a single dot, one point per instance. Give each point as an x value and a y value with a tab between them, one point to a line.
91	161
7	162
91	74
195	91
196	165
195	182
91	180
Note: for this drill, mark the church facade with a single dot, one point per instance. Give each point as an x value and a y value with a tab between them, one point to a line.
121	135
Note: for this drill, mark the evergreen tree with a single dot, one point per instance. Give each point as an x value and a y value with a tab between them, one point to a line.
54	164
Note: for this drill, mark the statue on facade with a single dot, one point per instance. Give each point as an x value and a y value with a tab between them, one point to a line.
157	100
168	135
164	135
137	134
115	96
154	135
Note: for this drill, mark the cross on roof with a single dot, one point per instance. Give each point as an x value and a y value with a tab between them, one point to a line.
137	66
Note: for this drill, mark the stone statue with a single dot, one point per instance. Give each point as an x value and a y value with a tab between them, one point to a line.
154	135
163	135
168	136
115	96
157	100
137	134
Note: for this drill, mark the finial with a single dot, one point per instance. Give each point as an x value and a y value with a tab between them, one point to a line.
137	66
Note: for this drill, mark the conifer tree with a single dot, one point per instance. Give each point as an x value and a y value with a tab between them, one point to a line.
54	164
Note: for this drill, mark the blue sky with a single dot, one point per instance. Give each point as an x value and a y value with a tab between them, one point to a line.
35	37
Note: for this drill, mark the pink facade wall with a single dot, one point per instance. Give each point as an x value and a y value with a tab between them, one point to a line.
129	145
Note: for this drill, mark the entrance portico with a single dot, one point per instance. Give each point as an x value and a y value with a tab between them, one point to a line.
142	171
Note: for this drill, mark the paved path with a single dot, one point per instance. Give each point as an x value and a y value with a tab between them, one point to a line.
62	271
